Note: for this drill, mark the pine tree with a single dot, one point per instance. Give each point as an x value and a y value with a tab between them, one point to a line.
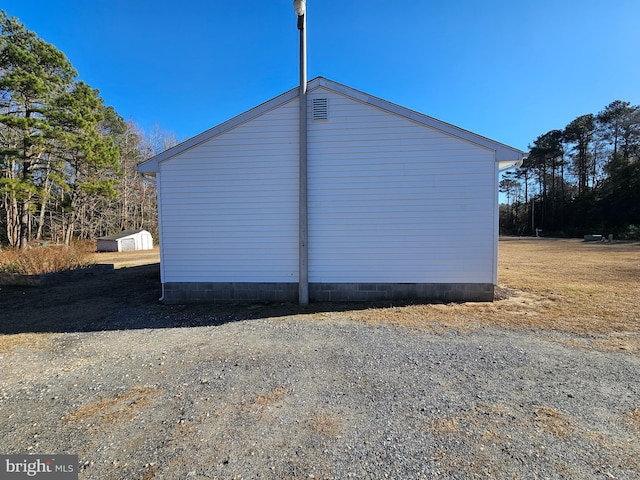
33	74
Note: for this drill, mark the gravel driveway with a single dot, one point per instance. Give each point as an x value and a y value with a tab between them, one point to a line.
315	395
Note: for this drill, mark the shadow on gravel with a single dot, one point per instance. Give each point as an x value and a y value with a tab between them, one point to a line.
129	299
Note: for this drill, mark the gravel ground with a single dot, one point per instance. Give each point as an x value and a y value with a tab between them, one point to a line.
139	390
318	396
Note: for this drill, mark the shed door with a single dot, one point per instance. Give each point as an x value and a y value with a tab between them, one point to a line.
128	245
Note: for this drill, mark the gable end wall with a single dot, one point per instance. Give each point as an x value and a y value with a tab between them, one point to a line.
397	211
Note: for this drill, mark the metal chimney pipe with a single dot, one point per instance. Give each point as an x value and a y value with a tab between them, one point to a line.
303	225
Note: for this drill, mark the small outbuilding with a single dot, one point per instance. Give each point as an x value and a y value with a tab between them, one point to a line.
126	241
397	205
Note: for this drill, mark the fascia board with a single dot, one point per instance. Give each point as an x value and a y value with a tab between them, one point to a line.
503	153
153	164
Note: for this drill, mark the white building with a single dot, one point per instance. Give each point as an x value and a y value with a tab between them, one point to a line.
400	205
126	241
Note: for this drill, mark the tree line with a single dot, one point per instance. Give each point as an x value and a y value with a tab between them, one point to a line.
580	180
67	161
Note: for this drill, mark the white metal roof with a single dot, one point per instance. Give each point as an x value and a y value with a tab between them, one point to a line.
121	235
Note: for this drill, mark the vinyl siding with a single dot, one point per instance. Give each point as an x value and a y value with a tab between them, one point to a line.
394	201
390	201
229	205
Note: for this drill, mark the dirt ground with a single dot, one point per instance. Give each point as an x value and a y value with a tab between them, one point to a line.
590	289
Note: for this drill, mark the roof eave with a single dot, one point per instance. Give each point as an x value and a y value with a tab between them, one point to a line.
503	153
152	165
504	165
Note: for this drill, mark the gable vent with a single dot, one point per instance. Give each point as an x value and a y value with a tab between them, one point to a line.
319	108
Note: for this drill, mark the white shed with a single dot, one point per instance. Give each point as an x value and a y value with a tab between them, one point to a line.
400	205
126	241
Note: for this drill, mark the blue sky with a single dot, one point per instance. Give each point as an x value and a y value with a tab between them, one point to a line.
506	70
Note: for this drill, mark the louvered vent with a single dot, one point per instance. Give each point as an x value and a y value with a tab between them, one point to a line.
319	108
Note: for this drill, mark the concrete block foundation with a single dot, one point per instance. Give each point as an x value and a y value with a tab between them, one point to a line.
250	292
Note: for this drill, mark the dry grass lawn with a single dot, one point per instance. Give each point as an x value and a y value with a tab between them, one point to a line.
591	289
128	259
31	340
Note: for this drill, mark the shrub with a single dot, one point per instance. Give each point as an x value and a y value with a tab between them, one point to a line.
45	259
631	233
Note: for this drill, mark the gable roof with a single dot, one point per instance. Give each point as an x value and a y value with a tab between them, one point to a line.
122	234
506	156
